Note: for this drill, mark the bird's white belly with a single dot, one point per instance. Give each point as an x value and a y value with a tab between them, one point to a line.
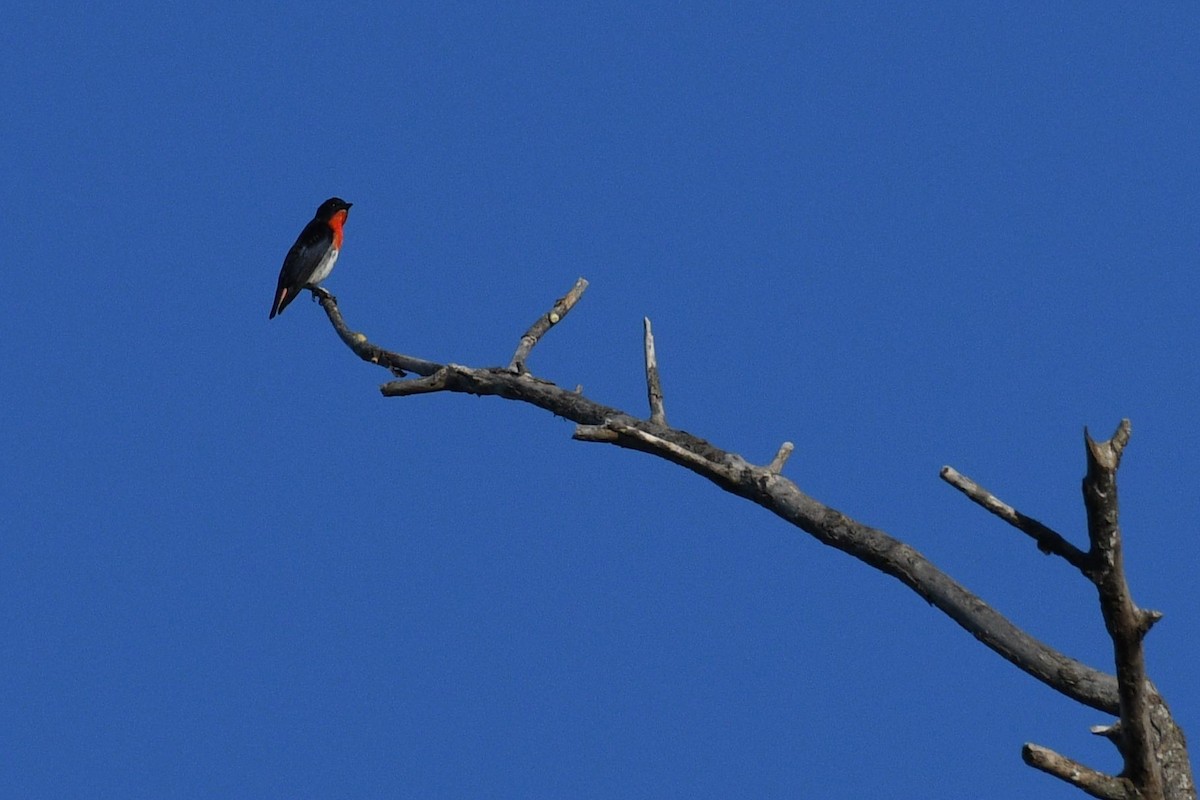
324	267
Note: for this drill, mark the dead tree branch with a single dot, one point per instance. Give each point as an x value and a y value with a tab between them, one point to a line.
1097	784
761	485
781	457
1126	623
562	307
1156	763
1048	541
1147	738
653	382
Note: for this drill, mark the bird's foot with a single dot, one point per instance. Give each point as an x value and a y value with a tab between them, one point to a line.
319	293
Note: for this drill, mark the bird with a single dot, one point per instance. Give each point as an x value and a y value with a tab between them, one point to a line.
312	257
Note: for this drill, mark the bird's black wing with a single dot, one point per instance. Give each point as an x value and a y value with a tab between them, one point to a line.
301	262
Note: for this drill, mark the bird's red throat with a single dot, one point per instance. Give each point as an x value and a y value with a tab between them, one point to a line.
335	224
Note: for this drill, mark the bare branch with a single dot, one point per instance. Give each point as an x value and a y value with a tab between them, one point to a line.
1048	540
594	433
433	383
1146	730
781	457
649	443
1126	623
778	495
1111	732
562	306
394	362
653	383
1147	619
1097	784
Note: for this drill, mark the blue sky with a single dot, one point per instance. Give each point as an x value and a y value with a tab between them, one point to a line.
900	237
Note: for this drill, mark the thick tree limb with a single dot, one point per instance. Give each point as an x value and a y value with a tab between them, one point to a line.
1155	752
768	489
1126	623
1151	744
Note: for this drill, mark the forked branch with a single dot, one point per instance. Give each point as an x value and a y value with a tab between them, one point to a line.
1128	694
1048	541
762	485
1145	734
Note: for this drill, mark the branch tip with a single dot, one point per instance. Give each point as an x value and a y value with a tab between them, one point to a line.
1121	435
1094	782
781	457
1147	619
396	363
1048	540
594	433
432	383
654	392
562	306
1107	454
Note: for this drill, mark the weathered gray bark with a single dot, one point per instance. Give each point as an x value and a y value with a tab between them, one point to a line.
1154	749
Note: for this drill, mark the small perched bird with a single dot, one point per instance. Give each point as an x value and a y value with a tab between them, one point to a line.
312	257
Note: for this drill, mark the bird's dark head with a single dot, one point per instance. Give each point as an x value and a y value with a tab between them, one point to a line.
330	207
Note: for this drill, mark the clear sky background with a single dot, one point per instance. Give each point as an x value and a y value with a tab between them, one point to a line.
899	236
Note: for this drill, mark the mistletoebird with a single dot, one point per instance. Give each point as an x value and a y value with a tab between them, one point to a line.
312	257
